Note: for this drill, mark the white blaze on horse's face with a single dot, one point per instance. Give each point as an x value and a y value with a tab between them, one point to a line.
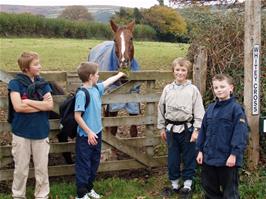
123	48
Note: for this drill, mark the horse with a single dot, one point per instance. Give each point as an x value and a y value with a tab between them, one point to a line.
114	56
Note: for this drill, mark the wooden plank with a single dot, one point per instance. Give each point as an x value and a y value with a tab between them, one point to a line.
136	75
128	120
133	97
5	126
107	99
140	141
3	102
126	87
107	121
58	76
150	111
63	170
5	151
5	161
5	77
132	152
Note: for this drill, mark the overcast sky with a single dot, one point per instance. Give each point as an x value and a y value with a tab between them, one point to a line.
124	3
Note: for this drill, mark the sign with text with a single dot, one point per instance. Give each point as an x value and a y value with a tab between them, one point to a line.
256	80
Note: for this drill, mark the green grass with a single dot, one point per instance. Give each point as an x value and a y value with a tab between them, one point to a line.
148	186
66	54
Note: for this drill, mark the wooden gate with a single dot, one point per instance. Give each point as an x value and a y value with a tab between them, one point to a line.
139	149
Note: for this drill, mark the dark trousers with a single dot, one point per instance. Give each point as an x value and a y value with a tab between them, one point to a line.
180	148
87	162
220	182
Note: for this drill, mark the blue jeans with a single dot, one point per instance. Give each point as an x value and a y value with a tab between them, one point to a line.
180	148
87	163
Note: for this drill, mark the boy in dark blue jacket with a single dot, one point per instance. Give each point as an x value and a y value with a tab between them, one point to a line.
222	141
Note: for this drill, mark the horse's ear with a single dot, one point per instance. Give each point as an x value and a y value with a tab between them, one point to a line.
113	25
131	25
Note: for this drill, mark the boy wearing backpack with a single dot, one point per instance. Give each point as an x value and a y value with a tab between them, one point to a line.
31	100
89	131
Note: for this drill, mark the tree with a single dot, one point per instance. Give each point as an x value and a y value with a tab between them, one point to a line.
76	13
166	21
203	1
137	16
161	2
123	16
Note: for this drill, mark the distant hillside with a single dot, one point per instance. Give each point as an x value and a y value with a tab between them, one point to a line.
100	13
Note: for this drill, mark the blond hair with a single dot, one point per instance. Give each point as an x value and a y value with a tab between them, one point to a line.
85	69
25	60
182	62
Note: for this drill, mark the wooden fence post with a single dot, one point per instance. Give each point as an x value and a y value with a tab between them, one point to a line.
150	111
251	76
200	69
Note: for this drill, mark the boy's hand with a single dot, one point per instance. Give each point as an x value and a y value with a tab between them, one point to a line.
231	161
194	136
199	158
163	135
47	98
121	74
26	101
92	138
126	71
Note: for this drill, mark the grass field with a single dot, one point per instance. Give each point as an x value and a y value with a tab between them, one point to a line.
66	54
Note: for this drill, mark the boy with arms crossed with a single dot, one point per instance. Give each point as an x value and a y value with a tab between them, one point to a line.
31	100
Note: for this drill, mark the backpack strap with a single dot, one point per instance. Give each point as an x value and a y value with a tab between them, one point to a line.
87	94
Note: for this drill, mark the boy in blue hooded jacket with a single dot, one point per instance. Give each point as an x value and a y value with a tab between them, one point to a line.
221	142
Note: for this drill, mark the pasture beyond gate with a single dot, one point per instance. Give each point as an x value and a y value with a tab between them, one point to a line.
140	150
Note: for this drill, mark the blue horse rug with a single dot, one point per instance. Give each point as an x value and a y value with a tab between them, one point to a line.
104	55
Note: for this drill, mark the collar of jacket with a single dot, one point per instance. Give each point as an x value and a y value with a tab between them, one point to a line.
224	102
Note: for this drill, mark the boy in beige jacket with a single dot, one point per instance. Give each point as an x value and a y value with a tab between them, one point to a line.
180	113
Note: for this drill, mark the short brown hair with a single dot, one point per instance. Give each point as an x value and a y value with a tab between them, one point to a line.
221	77
85	69
25	60
182	62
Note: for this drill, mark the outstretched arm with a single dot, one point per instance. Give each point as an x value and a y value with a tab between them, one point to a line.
112	79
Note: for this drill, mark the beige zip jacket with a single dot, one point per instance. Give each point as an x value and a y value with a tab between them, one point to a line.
179	102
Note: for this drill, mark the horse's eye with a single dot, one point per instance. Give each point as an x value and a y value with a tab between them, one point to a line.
131	39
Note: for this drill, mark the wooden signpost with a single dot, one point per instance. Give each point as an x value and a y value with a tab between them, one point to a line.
252	76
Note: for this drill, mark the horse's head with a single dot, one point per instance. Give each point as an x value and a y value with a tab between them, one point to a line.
123	38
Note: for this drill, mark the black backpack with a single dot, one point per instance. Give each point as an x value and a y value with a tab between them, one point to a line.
68	124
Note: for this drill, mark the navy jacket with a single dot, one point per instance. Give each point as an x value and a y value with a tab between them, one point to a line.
224	131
